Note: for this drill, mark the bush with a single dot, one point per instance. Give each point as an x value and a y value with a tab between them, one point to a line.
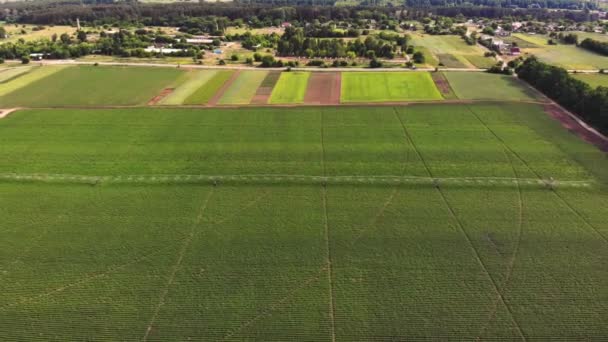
249	60
335	63
374	63
1	60
343	63
418	57
234	57
222	62
257	57
315	62
25	60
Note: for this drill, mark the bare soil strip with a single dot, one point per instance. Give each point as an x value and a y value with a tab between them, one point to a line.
577	127
263	93
323	88
5	112
220	92
156	99
442	83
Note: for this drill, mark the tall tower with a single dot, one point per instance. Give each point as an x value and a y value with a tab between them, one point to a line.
78	24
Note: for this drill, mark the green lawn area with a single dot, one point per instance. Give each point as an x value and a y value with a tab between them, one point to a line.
486	86
205	92
388	86
149	247
244	87
566	56
91	86
594	80
186	85
290	88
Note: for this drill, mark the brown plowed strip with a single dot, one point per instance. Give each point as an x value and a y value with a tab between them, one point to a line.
5	112
323	88
441	82
156	99
220	92
575	127
263	93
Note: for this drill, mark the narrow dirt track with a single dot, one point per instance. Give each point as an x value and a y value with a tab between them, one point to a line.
323	88
220	92
156	99
5	112
577	127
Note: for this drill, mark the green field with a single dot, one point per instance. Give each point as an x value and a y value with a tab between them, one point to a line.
594	80
90	86
486	86
186	85
244	87
204	93
388	86
290	88
423	222
566	56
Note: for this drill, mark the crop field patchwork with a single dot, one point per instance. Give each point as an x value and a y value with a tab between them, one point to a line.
486	86
89	85
388	86
290	88
205	92
244	88
428	221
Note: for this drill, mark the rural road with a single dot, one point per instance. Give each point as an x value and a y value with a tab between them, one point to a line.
238	67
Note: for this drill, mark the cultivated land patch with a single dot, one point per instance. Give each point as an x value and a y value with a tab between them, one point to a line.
566	56
594	80
14	84
186	85
323	88
486	86
262	94
205	92
221	90
451	50
388	87
91	86
290	88
432	221
244	88
481	61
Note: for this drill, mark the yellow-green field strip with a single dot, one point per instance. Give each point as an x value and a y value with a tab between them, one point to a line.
35	74
10	73
244	88
186	85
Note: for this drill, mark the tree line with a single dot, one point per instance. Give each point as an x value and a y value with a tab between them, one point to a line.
295	43
595	46
590	104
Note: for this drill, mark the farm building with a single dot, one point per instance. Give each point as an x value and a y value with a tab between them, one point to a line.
515	51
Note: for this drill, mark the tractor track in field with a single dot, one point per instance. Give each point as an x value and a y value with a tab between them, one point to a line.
465	234
520	223
182	251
